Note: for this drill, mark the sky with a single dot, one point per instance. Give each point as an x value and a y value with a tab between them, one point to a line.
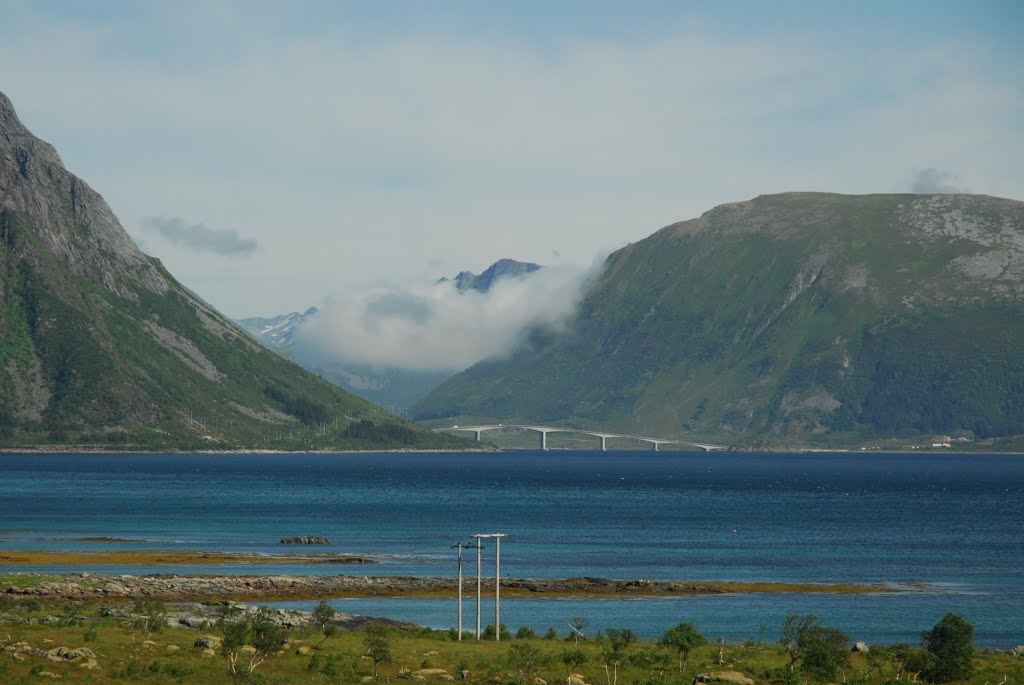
280	155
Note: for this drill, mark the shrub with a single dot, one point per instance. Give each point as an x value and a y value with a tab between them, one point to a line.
951	647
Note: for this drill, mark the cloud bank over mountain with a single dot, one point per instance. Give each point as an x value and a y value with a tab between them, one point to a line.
436	327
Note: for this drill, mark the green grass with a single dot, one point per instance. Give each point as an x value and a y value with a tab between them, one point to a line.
128	653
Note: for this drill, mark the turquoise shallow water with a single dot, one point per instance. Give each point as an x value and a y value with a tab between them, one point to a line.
952	520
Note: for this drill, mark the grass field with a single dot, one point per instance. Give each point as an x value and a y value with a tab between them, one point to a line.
140	648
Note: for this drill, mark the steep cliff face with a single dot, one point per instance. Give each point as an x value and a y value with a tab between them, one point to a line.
99	344
801	314
71	220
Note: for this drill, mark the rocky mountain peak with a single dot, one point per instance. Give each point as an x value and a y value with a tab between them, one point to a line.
71	218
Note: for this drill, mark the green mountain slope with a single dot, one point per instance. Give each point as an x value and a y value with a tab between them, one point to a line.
801	315
99	345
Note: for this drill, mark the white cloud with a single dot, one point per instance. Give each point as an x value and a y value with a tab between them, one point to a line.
437	328
201	238
354	156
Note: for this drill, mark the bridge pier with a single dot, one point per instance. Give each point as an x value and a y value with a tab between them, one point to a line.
654	446
478	435
604	443
544	441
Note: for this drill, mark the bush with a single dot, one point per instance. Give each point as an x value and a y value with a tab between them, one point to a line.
950	645
822	650
683	638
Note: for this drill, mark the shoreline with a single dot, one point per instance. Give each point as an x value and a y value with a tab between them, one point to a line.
66	450
146	557
204	587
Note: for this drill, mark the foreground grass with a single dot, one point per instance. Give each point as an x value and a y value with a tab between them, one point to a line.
129	652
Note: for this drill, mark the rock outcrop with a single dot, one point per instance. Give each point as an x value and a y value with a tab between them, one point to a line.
305	540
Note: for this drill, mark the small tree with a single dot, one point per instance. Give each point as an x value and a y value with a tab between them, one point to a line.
525	660
951	646
822	649
488	632
261	632
794	626
615	650
378	647
683	638
825	653
649	662
322	614
578	623
266	636
573	659
234	638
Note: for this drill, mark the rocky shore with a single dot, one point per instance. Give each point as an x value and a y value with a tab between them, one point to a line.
178	588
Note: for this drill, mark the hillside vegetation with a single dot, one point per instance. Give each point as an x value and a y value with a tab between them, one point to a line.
800	316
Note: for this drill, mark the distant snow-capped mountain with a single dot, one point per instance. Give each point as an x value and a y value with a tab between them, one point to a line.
277	332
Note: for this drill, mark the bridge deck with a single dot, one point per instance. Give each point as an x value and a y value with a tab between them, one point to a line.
603	436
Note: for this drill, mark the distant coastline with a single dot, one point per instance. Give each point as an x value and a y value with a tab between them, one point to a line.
175	588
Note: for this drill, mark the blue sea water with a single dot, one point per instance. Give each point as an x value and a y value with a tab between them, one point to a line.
953	521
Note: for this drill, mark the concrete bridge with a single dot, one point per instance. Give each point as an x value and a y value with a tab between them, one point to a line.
601	435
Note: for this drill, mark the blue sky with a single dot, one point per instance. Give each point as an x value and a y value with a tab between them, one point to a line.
276	154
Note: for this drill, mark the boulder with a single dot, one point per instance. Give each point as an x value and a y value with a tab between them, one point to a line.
47	674
194	621
427	673
577	679
304	650
861	647
732	677
305	540
247	649
208	652
208	642
173	648
1018	650
89	665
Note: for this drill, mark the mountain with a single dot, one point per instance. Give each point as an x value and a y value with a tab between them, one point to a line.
390	387
800	317
100	345
503	268
277	332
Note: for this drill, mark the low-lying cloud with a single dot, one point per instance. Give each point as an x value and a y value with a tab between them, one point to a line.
437	328
932	180
201	238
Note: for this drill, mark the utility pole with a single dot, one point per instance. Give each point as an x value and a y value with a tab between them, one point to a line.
460	545
497	587
497	582
478	586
